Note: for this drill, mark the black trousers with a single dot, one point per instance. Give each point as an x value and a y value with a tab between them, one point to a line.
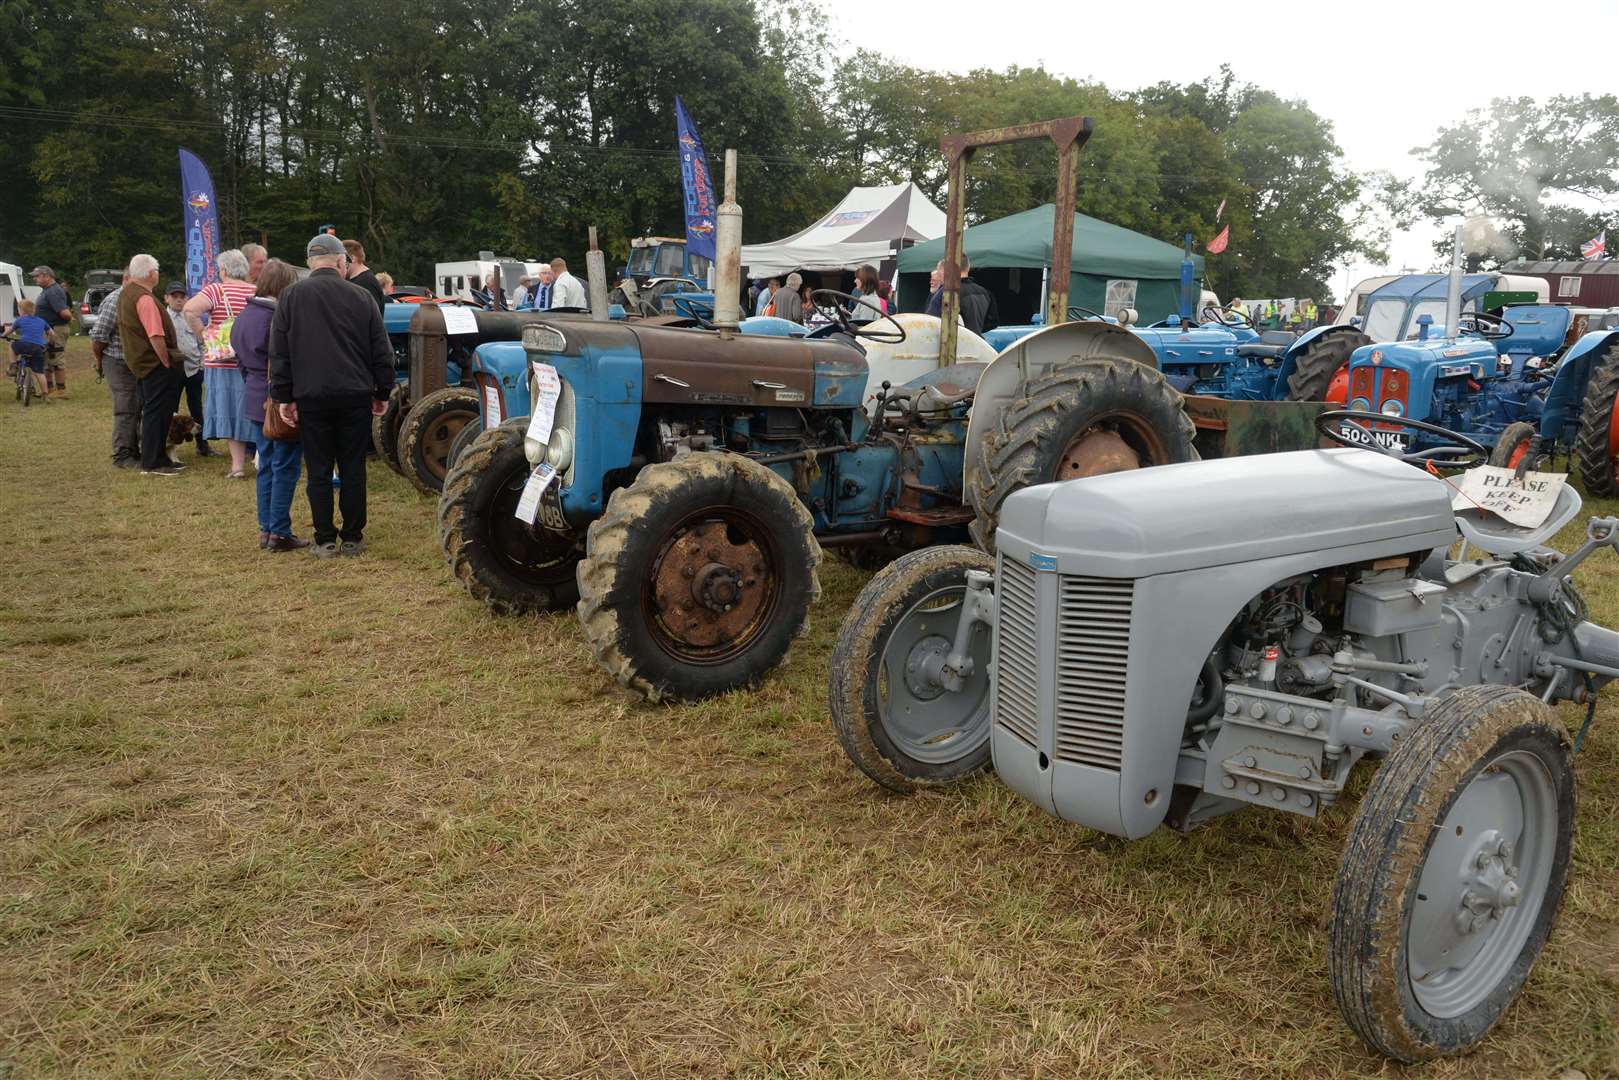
193	388
335	436
160	397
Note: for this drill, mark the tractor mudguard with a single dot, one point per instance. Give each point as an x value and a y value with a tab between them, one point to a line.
500	369
1567	395
1031	357
1291	356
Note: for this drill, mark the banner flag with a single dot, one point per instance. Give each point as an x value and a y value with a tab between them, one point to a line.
1596	247
699	186
201	220
1218	244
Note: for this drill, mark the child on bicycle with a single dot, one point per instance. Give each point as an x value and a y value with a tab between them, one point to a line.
33	333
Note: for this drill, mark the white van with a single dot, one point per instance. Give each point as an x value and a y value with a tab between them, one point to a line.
460	278
14	287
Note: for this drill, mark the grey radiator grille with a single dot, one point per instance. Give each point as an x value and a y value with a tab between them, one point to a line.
1093	646
1017	689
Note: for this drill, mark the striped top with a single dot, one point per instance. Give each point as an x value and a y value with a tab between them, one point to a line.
226	299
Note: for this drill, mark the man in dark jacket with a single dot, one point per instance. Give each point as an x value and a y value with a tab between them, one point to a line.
979	312
331	370
361	274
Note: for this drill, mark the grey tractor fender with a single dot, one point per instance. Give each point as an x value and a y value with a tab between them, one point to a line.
1033	356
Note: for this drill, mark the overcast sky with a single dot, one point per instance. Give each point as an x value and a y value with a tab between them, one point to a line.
1345	60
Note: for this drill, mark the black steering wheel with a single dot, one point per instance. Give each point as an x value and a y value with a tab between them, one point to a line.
1082	314
1352	427
835	305
690	307
1487	326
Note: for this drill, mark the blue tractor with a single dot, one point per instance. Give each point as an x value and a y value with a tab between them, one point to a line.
1519	381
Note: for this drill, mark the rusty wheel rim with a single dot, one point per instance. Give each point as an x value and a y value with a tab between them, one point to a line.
1113	443
713	586
436	441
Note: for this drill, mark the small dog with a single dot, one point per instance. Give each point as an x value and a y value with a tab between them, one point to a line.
182	429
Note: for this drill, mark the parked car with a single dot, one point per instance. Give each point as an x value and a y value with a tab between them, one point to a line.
97	285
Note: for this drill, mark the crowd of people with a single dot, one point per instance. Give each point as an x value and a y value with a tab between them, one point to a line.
287	372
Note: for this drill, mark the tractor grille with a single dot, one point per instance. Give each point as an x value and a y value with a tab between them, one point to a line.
1093	651
1017	693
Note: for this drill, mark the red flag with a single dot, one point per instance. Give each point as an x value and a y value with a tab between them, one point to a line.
1218	244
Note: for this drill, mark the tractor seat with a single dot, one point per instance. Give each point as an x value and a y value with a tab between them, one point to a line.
1494	536
1272	344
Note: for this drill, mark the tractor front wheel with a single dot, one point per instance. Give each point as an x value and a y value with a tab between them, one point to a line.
894	716
427	433
1597	444
699	577
1515	440
463	439
385	429
508	565
1082	418
1453	873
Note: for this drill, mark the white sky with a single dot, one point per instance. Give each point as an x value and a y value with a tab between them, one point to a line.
1344	59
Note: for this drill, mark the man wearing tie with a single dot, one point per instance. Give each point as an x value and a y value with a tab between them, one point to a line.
540	295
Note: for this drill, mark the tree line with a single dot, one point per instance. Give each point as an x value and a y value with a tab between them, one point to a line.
434	129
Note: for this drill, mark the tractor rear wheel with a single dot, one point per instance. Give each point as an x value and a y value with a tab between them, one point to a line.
1319	362
699	577
894	717
1453	873
385	430
1082	418
1597	444
1515	440
511	567
464	439
427	432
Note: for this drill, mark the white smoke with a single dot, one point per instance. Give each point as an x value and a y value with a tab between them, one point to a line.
1481	237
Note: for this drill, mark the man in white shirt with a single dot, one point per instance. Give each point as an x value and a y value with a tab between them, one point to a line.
568	291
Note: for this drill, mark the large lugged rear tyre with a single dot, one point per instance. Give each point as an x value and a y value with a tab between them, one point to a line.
1453	873
506	565
1082	418
699	577
1593	446
385	429
427	432
895	720
1319	361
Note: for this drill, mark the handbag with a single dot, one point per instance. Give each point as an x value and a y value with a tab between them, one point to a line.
216	347
277	428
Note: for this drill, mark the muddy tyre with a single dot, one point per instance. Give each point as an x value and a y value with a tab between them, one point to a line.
385	430
503	563
894	719
1516	440
1319	362
427	432
698	578
463	439
1453	873
1593	446
1082	418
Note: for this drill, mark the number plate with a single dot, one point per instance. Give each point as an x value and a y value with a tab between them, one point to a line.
551	509
1387	440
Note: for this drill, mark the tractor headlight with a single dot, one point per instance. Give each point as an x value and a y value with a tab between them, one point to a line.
559	451
1360	404
1393	408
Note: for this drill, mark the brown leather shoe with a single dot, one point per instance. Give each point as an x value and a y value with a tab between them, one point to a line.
285	543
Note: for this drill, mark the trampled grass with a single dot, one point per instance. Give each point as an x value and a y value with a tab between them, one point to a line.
267	816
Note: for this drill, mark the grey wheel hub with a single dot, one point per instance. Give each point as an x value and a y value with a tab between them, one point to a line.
921	716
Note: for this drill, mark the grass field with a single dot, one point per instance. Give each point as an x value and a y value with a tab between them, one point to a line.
262	815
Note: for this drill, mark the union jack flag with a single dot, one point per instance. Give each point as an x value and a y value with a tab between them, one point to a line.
1596	247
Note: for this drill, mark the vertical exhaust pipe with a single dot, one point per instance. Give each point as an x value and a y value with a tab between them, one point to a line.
596	269
1453	290
728	255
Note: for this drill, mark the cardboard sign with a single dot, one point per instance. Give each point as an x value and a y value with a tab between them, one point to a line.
1526	503
528	505
459	320
491	403
547	389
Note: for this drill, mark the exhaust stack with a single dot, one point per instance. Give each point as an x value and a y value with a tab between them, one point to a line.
728	255
596	269
1453	290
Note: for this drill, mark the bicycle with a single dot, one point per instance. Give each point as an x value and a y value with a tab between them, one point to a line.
27	389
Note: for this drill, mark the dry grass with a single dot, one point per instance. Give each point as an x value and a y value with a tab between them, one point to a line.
267	816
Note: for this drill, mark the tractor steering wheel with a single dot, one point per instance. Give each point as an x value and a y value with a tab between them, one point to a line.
698	311
1487	326
1084	314
1352	427
836	307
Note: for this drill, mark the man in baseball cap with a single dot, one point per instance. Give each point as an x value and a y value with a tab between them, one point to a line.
190	350
331	370
57	311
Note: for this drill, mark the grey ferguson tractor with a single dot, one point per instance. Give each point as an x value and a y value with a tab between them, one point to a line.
1169	645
